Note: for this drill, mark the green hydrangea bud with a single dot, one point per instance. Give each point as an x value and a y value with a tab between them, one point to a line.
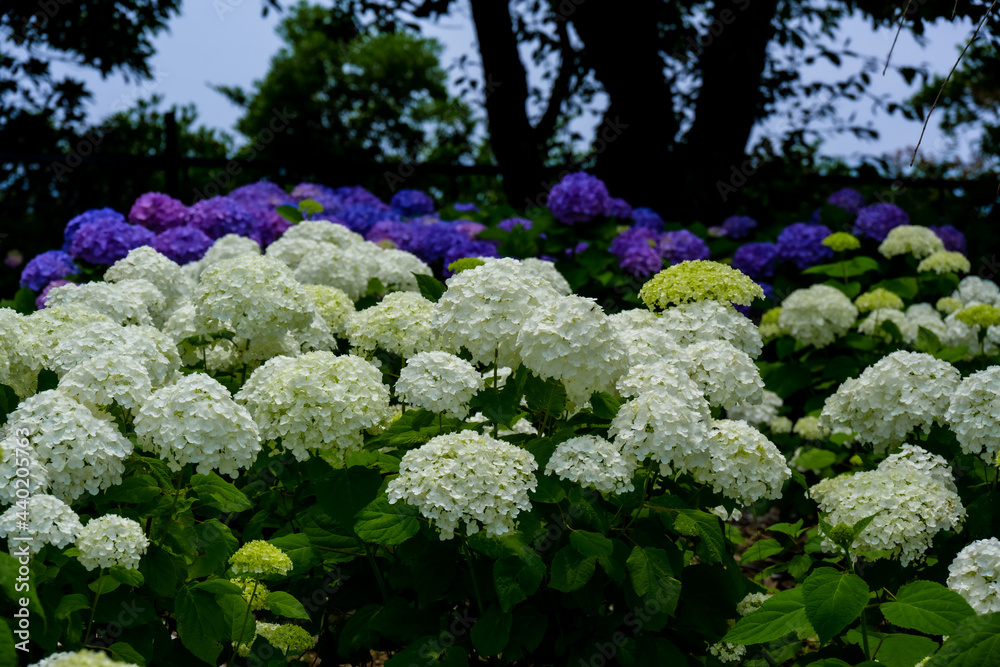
842	535
982	315
261	559
842	242
464	263
699	280
878	298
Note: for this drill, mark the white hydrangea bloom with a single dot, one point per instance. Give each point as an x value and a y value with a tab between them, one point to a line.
808	428
780	425
106	378
945	261
144	263
727	652
400	324
701	321
147	346
532	266
14	371
959	333
468	477
195	420
229	246
290	251
50	521
220	355
256	297
901	392
973	289
81	450
571	341
13	457
924	315
751	603
975	575
911	239
343	267
317	402
818	315
763	413
664	376
745	465
81	658
634	318
439	382
334	306
395	269
321	231
650	344
125	302
664	427
912	506
872	325
593	463
484	308
43	331
111	540
726	375
924	462
974	414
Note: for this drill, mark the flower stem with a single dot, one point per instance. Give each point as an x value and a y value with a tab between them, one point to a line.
246	617
378	574
475	581
93	608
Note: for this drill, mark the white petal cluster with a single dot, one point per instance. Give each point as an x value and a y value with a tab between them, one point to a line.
343	267
111	540
106	378
593	463
229	246
923	461
571	341
945	261
901	392
81	451
808	428
872	325
50	521
974	414
633	318
334	306
125	302
745	465
255	297
763	413
975	575
16	363
701	321
665	377
81	658
912	505
671	431
532	266
146	346
15	451
439	382
195	420
817	315
468	477
781	425
320	231
395	269
973	289
317	402
911	239
45	329
290	250
484	308
144	263
649	344
400	324
726	375
220	355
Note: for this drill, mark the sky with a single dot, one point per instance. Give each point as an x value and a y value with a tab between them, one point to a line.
228	42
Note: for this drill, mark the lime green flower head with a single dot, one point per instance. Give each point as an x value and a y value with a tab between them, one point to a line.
288	638
983	315
699	280
948	305
261	559
944	261
842	242
464	263
254	593
770	326
878	298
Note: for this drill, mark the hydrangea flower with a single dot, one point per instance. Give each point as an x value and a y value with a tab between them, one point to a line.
262	195
470	248
953	239
331	200
973	574
979	315
817	315
219	216
400	324
107	378
802	244
878	298
848	199
47	267
360	217
745	465
699	281
808	428
81	658
671	431
412	203
260	559
876	220
182	244
647	218
973	414
547	271
466	477
764	412
872	325
439	382
509	224
111	540
738	226
618	208
945	261
42	301
910	239
638	251
318	231
334	306
105	241
347	268
254	592
146	263
727	376
288	638
106	215
780	425
948	305
593	463
975	289
757	260
126	302
154	350
50	521
578	197
842	242
392	234
700	321
157	212
682	246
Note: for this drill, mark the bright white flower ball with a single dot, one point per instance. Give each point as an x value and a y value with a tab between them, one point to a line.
701	321
146	346
229	246
125	302
872	325
12	328
817	315
662	376
780	425
593	463
975	575
911	239
111	540
974	414
144	263
106	378
334	306
650	344
195	420
320	231
81	658
345	267
726	375
42	332
400	324
745	465
634	318
669	430
973	289
50	521
439	382
16	452
763	413
547	271
466	477
395	269
945	261
808	428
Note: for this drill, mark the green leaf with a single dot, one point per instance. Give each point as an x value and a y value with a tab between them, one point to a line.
8	651
70	603
696	523
219	544
762	550
299	549
515	579
218	587
104	583
24	303
47	380
544	395
793	529
8	402
240	623
928	607
290	213
891	328
901	650
127	576
491	632
285	604
220	494
853	267
833	599
571	570
905	288
382	523
605	405
974	643
134	489
344	492
850	290
927	340
430	287
952	354
123	652
648	567
815	459
200	624
615	565
782	613
309	207
591	544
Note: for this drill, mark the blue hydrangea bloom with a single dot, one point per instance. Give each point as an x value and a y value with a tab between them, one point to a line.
412	203
802	244
219	216
757	260
578	197
93	215
648	219
268	226
326	197
681	246
738	226
361	217
953	239
46	267
638	251
262	195
106	241
353	195
848	199
618	208
400	234
182	244
157	212
510	223
876	220
465	207
569	252
432	241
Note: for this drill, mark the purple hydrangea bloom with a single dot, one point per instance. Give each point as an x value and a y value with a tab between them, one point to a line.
638	251
468	248
738	226
510	223
262	195
618	208
157	212
681	246
326	197
400	234
354	195
46	267
361	217
469	228
106	241
876	220
93	215
183	244
578	197
802	243
465	207
433	241
648	218
412	203
817	217
219	216
953	239
757	260
43	299
268	227
848	199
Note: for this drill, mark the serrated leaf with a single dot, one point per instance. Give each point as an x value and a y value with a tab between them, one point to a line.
815	459
285	604
847	269
762	550
430	287
200	624
70	603
515	579
571	570
928	607
491	632
127	576
220	494
591	544
289	213
901	650
604	405
648	567
123	652
974	643
383	523
833	599
299	549
696	523
782	613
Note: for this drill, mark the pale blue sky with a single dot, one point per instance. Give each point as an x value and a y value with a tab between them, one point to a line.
229	42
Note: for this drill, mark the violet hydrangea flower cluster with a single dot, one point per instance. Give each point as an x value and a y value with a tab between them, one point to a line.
738	226
876	220
648	218
578	197
848	199
93	215
107	240
954	240
757	260
157	212
412	203
802	244
47	267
